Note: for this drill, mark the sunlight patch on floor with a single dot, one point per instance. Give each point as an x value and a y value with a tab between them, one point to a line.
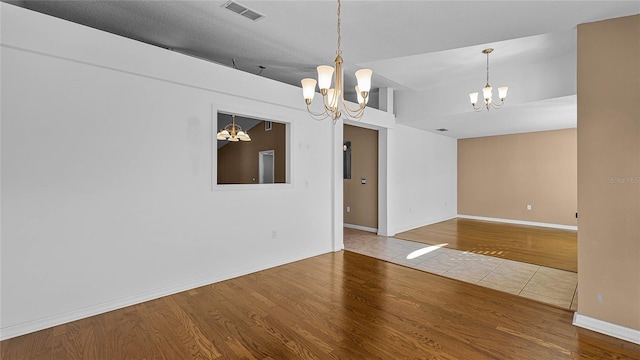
425	250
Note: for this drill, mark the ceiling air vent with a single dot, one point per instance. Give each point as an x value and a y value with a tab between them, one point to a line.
242	10
442	129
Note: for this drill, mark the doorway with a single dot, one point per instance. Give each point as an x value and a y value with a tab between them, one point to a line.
265	166
360	178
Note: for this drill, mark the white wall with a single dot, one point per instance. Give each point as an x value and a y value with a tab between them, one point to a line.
106	174
422	185
417	176
106	168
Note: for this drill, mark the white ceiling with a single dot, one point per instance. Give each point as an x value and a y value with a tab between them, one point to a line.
428	51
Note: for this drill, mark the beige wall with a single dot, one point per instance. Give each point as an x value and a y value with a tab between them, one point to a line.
498	176
609	170
246	153
362	199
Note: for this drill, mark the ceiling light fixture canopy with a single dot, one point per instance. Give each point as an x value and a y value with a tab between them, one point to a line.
333	98
233	132
487	92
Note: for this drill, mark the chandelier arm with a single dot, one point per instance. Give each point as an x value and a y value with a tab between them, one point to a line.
478	108
487	106
331	100
349	110
497	105
492	105
317	116
355	115
327	109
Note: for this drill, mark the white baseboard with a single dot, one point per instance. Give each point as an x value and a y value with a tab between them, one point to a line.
63	318
607	328
519	222
363	228
430	222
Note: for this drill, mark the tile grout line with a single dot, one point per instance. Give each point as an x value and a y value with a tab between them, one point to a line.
575	293
528	281
490	272
555	297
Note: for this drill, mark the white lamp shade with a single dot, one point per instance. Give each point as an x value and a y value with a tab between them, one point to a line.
473	97
332	98
487	92
233	138
360	98
502	92
364	79
243	136
325	73
308	88
223	134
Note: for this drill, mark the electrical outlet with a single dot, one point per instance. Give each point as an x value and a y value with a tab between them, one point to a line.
528	206
273	234
348	208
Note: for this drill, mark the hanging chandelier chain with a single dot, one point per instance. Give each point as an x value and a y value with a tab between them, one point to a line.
487	92
335	104
338	29
487	68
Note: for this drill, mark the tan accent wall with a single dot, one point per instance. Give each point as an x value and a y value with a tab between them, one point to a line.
498	176
609	170
362	199
246	154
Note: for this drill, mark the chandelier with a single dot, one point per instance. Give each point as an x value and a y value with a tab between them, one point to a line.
233	132
333	98
487	92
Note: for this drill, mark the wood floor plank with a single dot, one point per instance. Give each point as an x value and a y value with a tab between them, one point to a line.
555	248
334	306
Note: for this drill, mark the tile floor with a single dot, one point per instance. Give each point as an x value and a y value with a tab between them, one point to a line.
551	286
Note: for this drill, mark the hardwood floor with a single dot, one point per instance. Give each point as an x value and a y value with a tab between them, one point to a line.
542	246
551	286
334	306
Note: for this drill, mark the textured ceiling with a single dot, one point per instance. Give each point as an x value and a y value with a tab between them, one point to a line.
428	51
